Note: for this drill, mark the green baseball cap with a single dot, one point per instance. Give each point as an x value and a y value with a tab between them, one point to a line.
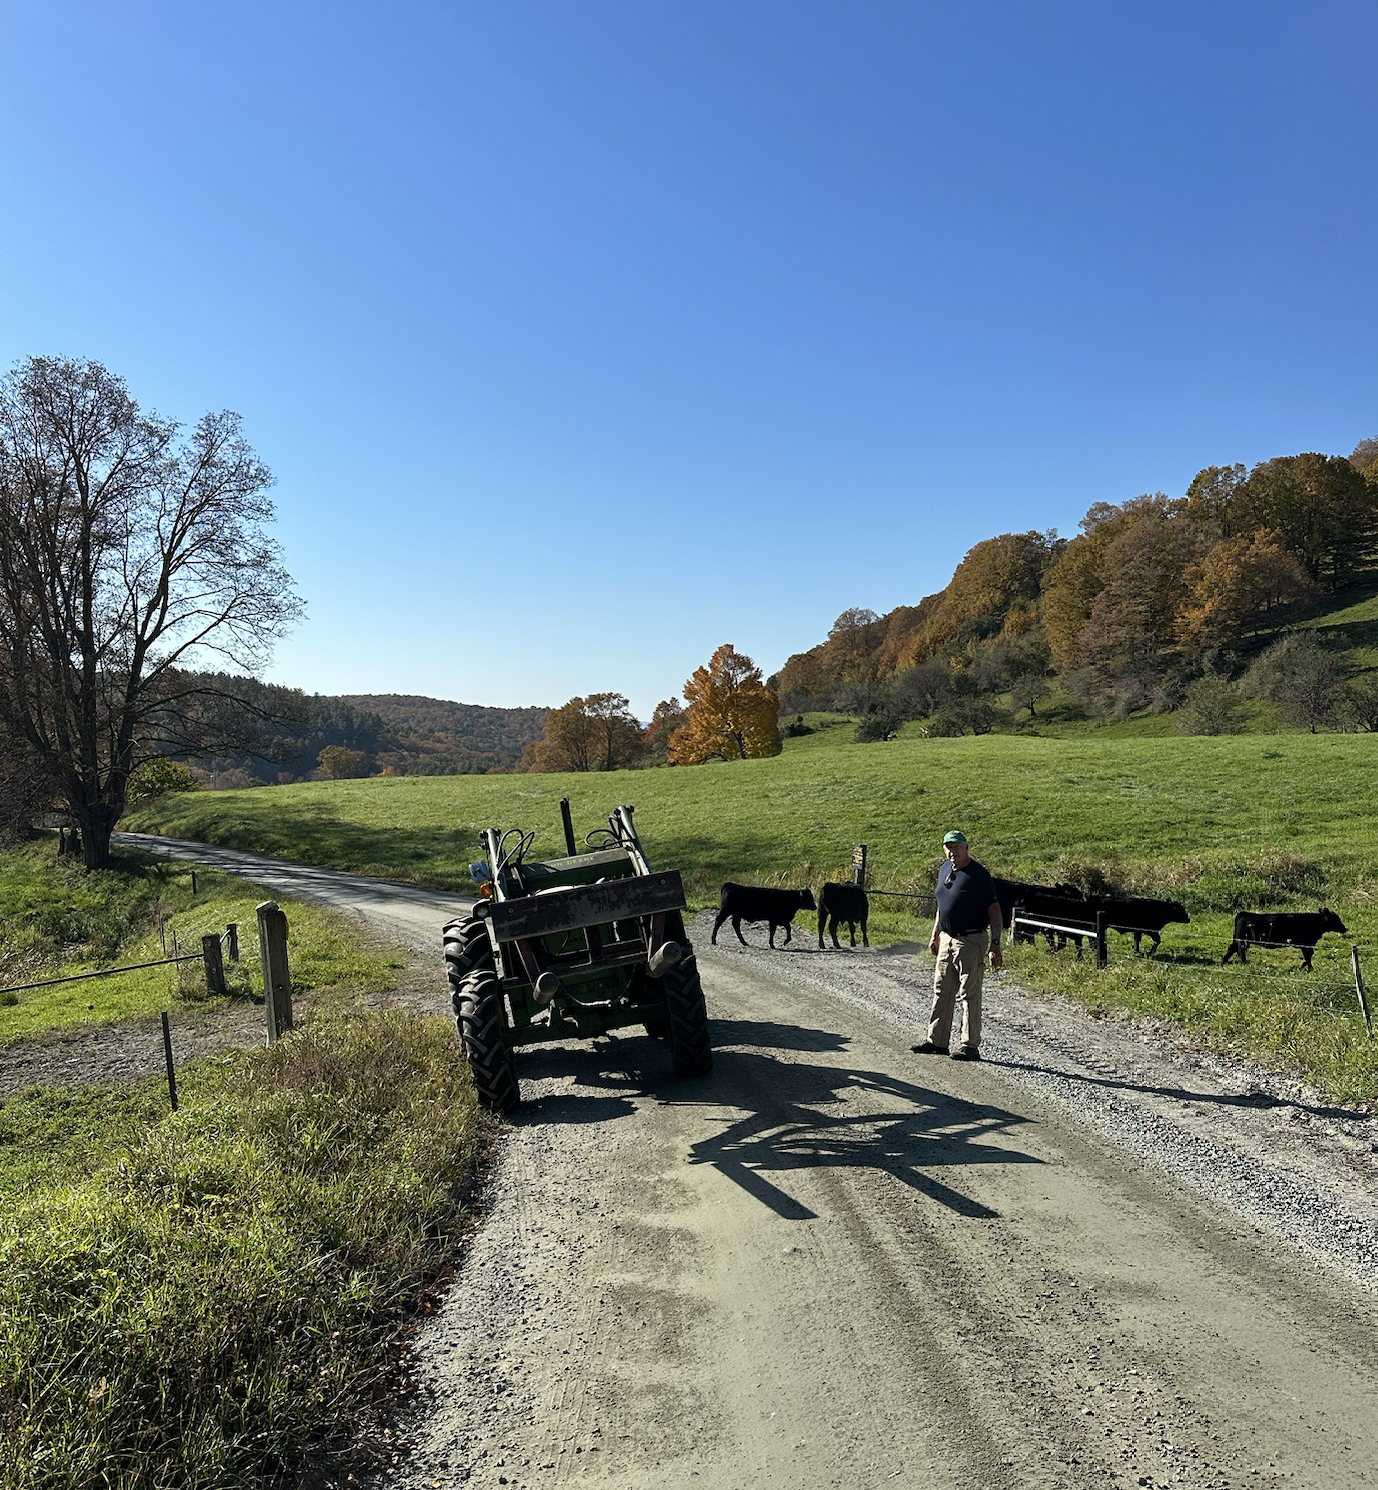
955	836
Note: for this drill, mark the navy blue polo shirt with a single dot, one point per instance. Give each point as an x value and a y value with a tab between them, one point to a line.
964	906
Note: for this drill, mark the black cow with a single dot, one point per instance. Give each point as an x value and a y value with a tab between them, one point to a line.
1265	929
1048	903
753	903
1140	916
843	903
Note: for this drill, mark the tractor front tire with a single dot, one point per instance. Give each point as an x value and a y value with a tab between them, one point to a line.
466	948
476	996
687	1017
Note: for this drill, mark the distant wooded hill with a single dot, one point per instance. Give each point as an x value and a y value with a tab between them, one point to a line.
403	733
438	737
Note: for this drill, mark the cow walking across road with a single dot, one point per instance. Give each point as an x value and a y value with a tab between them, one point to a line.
847	903
756	903
1282	929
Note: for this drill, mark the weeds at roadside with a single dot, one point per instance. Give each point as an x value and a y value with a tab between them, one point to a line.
206	1298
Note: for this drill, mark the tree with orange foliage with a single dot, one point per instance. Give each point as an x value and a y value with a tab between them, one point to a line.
731	712
597	733
1242	586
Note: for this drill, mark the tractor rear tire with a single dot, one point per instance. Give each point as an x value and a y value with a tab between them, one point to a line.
479	1014
687	1016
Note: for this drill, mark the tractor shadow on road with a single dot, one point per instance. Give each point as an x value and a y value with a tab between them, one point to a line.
785	1116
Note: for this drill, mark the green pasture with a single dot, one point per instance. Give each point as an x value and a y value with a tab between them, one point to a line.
1222	824
56	919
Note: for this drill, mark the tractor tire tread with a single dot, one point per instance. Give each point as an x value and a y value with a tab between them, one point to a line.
687	1018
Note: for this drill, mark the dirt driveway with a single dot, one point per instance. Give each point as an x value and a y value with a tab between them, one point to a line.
1093	1259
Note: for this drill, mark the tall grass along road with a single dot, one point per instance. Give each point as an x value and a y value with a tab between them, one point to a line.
1090	1260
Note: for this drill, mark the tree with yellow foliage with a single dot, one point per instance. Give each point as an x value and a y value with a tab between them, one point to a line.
731	712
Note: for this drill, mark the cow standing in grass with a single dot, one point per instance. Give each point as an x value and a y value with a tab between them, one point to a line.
740	903
1262	929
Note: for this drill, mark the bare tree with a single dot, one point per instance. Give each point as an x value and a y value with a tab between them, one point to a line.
129	551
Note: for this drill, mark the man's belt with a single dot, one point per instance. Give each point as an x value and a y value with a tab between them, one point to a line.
974	931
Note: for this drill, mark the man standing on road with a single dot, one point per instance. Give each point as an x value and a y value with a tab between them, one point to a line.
967	926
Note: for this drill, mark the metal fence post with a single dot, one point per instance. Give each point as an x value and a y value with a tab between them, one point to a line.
1359	988
215	966
1102	954
167	1055
277	977
232	940
859	864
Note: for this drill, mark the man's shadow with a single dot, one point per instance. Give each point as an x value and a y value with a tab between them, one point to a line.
783	1116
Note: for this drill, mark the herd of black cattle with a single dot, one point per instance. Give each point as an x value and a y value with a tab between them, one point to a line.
1064	906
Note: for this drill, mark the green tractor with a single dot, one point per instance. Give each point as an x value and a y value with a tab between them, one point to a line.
570	949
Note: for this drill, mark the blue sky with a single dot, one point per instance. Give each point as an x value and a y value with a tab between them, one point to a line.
583	337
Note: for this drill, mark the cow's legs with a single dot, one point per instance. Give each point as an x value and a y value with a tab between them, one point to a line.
722	916
737	927
789	932
851	927
1306	958
822	918
1138	937
1157	942
864	942
1235	949
832	928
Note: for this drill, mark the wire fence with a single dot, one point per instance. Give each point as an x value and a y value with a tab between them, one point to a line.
228	940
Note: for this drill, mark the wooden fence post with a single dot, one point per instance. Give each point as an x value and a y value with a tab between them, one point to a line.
859	864
1102	953
215	966
232	940
277	976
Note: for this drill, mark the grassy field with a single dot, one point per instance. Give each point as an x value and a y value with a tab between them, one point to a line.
58	920
211	1297
1222	824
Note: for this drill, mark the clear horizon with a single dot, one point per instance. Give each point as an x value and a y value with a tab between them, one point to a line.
583	339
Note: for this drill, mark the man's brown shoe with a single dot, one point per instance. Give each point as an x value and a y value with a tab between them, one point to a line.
966	1053
927	1047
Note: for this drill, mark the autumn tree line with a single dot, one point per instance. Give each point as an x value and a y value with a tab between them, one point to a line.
1159	602
728	713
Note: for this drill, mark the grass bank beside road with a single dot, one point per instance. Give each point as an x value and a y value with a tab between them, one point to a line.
212	1297
1222	824
58	920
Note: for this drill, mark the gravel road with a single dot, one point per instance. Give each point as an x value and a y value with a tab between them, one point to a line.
407	913
1095	1258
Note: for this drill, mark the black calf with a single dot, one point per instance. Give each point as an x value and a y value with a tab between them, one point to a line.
754	903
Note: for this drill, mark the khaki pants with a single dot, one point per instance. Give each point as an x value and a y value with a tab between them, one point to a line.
960	969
